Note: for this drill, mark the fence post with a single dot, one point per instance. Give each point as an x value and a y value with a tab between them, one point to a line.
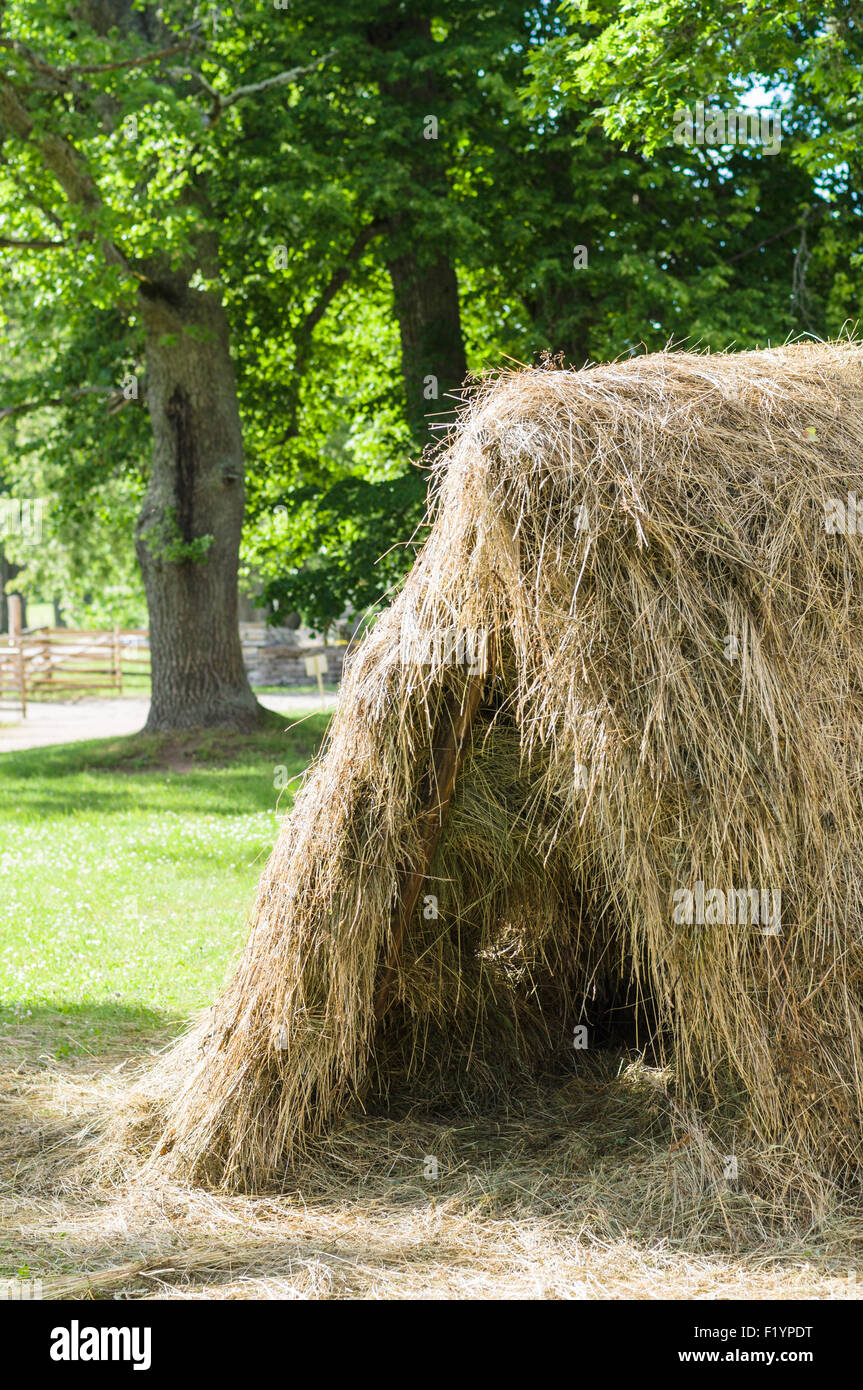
22	676
16	638
118	665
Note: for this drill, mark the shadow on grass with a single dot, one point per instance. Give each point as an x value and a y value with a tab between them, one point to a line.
211	770
33	1035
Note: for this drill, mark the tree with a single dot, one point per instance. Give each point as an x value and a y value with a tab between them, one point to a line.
560	241
363	201
638	69
81	460
638	65
114	156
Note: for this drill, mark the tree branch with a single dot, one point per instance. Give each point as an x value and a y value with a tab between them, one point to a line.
32	197
307	325
29	244
777	236
40	65
64	77
339	277
786	231
134	62
62	159
221	101
114	402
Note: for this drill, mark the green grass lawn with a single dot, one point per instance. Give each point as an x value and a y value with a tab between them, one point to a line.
127	869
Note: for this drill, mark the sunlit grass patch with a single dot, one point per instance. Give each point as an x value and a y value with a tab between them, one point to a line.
126	871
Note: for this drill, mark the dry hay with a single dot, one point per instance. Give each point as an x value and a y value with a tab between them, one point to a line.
610	529
571	1190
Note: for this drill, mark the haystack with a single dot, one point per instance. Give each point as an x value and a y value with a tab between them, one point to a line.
607	742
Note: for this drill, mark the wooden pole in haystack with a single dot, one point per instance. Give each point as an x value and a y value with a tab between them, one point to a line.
447	757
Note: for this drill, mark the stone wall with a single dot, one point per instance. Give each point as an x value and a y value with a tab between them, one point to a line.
277	656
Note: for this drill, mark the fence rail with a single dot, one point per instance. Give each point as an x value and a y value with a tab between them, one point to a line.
39	661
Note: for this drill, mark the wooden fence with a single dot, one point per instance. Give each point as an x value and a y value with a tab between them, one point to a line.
39	661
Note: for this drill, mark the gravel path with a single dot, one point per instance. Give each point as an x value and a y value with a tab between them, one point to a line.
82	719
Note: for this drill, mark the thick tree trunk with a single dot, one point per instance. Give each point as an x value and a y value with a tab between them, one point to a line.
188	532
432	346
420	260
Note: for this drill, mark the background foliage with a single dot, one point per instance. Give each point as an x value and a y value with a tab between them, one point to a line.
553	132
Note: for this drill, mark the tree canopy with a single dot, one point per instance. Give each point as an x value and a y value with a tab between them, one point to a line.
360	204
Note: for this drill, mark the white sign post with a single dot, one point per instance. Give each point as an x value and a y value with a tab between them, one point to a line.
318	666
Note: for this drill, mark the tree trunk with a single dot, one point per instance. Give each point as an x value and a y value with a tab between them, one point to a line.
432	347
188	532
420	260
8	571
